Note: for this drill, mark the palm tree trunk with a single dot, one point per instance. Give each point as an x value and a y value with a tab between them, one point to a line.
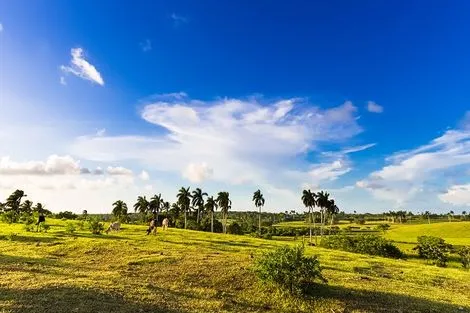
259	221
310	224
212	221
314	227
197	217
184	219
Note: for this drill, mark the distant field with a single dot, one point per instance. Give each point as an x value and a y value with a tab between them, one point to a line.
457	233
188	271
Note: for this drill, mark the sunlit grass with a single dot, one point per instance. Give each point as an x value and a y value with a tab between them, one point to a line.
189	271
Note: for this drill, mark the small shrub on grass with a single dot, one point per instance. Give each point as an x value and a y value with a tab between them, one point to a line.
382	227
70	228
81	225
288	269
434	249
365	244
464	253
95	226
234	229
28	227
43	227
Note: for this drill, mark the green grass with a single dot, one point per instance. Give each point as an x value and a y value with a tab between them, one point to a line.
188	271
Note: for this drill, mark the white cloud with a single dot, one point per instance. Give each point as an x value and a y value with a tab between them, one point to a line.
146	45
54	165
232	141
101	132
119	170
197	173
1	27
62	81
410	172
329	171
98	171
457	195
82	68
374	107
144	175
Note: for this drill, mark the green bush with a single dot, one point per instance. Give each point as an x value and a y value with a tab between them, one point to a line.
288	269
464	253
234	229
382	227
28	227
365	244
434	249
70	228
95	226
206	225
43	227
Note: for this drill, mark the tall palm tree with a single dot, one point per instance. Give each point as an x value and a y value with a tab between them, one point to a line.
142	205
450	215
155	204
27	207
166	207
323	202
211	206
184	201
258	199
13	203
119	209
309	201
427	214
332	210
175	210
198	201
224	203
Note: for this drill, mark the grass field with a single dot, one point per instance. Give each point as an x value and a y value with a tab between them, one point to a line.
188	271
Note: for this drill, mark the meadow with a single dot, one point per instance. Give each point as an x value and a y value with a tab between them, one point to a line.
190	271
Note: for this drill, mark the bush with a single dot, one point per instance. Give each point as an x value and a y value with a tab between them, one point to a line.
70	228
28	227
288	269
95	226
234	229
382	227
434	249
364	244
464	253
43	227
66	215
206	225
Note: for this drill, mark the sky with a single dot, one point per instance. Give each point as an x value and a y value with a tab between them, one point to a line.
368	100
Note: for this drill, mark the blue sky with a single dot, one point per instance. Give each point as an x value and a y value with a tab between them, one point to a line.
367	100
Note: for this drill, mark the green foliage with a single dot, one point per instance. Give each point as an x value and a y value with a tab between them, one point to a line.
364	244
434	249
66	215
43	227
206	225
95	226
288	269
9	217
234	229
70	228
382	227
464	254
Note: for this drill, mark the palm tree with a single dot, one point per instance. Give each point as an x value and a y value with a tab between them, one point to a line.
309	201
175	210
223	200
450	215
211	206
13	203
39	208
141	205
427	214
332	210
119	209
184	201
323	202
27	207
258	199
155	204
198	201
166	207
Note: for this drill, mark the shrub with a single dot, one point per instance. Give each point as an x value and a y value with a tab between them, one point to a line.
288	269
66	215
464	253
81	225
434	249
364	244
206	225
70	228
43	227
234	229
382	227
28	227
95	226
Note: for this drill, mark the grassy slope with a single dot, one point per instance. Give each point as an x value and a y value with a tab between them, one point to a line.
186	271
455	233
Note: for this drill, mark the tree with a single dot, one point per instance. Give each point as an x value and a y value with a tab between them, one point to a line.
198	201
166	207
323	202
450	215
119	209
332	210
175	210
258	199
427	215
184	201
309	201
85	214
155	204
141	205
211	206
13	203
27	207
223	200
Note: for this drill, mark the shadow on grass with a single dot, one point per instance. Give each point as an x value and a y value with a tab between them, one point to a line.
71	299
379	302
13	259
29	239
91	236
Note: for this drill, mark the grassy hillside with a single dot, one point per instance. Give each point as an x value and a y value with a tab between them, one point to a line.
187	271
457	233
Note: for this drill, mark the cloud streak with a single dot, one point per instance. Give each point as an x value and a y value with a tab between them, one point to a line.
374	107
82	68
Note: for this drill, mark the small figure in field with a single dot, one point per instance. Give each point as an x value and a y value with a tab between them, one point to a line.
152	226
115	226
165	223
41	219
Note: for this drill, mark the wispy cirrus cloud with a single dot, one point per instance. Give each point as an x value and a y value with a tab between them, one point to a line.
178	19
80	67
146	45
